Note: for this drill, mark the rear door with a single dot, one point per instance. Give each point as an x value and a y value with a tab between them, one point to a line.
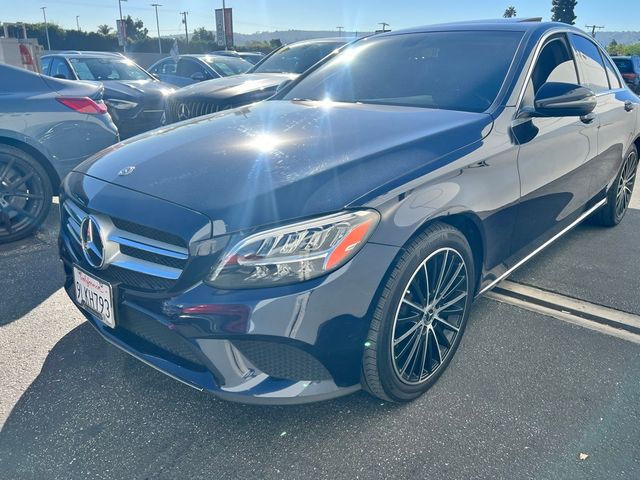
615	111
554	153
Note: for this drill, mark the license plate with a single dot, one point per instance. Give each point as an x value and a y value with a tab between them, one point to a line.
95	296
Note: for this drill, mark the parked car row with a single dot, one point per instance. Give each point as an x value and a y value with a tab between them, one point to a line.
87	101
135	99
258	83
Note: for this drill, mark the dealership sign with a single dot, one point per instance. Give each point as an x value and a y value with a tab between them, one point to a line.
224	27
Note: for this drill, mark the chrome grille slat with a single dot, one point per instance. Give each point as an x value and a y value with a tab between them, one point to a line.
148	268
148	245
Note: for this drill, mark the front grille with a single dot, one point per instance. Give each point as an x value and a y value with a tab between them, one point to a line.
282	361
135	280
180	110
140	258
148	232
155	338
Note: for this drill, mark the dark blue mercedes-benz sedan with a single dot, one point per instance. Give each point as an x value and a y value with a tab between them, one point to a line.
335	236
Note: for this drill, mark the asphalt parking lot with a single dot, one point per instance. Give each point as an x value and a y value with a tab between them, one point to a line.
527	396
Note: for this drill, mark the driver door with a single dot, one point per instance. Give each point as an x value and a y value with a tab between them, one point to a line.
553	154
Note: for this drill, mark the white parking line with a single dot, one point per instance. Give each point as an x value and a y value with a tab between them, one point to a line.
578	312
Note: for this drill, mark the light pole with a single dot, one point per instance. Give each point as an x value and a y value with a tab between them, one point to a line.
78	22
384	26
46	27
340	31
123	27
156	5
224	25
186	29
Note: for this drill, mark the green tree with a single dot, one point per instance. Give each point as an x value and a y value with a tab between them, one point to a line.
202	34
104	29
614	48
564	11
136	29
510	12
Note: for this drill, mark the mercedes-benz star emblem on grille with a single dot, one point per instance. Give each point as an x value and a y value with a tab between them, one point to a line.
183	112
91	241
126	171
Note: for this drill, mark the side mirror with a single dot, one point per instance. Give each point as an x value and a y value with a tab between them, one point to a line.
198	76
283	85
564	100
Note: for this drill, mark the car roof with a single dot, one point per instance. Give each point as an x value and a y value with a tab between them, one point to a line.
85	54
506	24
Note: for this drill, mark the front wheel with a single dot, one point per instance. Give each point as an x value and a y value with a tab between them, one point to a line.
619	196
25	194
420	316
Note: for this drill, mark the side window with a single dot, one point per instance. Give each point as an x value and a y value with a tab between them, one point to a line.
614	80
187	67
168	67
592	68
60	69
44	65
554	64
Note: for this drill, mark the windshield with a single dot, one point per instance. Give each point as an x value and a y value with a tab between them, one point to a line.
107	69
624	65
296	58
228	66
447	70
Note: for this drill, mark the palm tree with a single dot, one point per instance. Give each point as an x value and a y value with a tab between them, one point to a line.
510	12
104	29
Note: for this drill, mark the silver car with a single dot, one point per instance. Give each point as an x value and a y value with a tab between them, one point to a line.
47	127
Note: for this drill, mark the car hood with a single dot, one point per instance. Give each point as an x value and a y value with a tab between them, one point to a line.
135	89
234	86
279	160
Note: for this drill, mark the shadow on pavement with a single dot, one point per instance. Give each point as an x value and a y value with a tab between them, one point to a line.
523	397
592	263
31	271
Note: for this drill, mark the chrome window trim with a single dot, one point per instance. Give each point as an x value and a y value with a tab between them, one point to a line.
541	43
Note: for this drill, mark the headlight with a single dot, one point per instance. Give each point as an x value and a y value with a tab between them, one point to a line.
120	104
295	253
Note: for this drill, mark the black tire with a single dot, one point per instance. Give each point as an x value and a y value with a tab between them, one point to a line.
382	373
25	194
612	213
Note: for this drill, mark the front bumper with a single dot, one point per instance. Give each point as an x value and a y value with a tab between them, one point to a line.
280	345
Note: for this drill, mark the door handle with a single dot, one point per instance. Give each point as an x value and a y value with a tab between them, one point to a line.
628	106
588	118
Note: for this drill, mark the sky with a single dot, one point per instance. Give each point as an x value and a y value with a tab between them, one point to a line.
266	15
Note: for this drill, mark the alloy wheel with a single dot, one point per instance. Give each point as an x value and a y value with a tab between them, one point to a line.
626	182
21	195
429	316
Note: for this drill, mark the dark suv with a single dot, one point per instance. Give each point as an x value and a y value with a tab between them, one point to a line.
630	69
335	236
258	83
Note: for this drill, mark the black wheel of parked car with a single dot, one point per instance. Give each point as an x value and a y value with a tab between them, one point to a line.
420	315
619	195
25	194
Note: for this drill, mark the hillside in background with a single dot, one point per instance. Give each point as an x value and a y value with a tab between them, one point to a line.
289	36
624	38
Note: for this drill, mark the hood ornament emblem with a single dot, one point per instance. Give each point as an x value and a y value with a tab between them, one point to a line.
126	171
183	112
91	242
